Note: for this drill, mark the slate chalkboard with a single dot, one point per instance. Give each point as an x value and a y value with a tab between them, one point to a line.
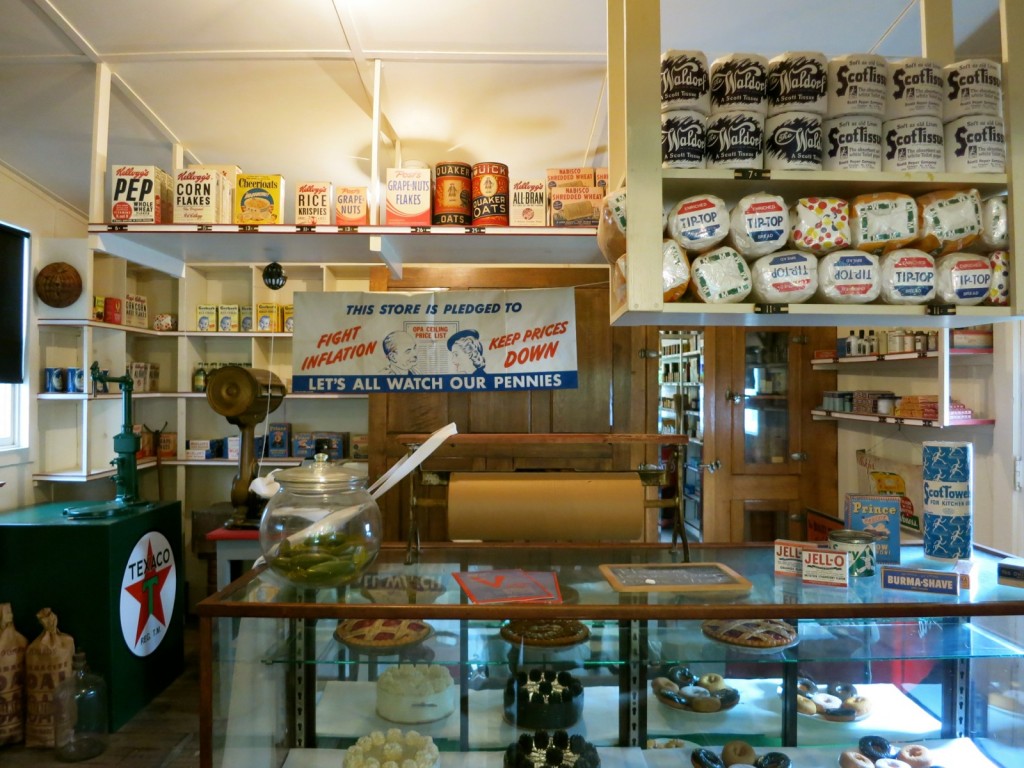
675	577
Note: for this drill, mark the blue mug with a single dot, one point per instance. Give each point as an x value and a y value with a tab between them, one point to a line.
76	380
53	380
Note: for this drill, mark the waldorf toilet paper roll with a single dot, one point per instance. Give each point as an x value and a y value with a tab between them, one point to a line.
948	470
882	221
699	222
735	140
973	87
851	143
759	225
682	139
949	220
720	277
784	277
913	144
963	279
908	277
739	82
849	277
792	141
994	229
917	87
975	144
999	288
819	224
684	81
798	82
857	85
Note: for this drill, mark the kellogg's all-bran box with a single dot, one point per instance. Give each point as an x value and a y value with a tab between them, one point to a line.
313	203
259	199
409	197
140	194
350	207
198	193
527	203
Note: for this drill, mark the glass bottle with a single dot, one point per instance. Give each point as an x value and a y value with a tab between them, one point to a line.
80	714
199	378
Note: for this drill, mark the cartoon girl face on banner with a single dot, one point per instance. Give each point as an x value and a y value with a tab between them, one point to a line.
467	351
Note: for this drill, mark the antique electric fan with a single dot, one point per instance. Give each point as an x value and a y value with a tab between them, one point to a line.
245	397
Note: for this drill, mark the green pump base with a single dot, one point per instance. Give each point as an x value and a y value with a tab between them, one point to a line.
107	509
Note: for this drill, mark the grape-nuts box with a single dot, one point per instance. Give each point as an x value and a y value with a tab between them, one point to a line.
350	207
408	197
197	196
527	203
140	194
313	203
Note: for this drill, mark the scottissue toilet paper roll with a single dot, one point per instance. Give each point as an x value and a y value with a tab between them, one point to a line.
739	81
792	141
948	470
973	87
735	140
682	138
684	81
857	85
975	144
851	143
917	86
798	82
913	144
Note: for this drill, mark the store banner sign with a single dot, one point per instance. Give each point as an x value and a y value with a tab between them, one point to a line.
441	341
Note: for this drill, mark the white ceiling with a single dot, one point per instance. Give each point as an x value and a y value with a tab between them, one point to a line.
285	86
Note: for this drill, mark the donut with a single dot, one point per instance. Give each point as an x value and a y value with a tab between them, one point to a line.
806	685
773	760
729	697
691	692
890	762
826	701
705	704
682	676
842	690
660	684
840	715
738	752
705	758
915	755
805	706
858	704
853	759
711	681
875	748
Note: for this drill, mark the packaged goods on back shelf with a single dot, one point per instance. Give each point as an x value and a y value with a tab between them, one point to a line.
1011	572
268	317
227	318
575	206
337	443
168	448
566	177
206	317
140	194
245	317
971	338
302	445
233	447
314	203
228	179
408	197
288	318
278	440
198	196
259	199
112	310
360	446
98	307
927	407
350	207
135	313
528	203
146	447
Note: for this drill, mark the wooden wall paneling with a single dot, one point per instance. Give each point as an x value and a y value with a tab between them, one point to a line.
819	439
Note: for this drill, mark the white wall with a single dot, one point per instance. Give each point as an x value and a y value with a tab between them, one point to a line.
24	205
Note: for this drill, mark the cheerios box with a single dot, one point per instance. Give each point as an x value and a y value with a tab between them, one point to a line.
259	199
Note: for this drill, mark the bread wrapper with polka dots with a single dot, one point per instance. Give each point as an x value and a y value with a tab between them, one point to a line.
999	288
950	220
908	277
720	277
819	224
849	277
962	278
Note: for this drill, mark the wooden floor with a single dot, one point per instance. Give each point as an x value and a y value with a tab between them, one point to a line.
163	735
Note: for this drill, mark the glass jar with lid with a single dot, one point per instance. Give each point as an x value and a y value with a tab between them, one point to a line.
321	528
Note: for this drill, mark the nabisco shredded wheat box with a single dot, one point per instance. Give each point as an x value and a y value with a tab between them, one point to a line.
228	180
408	197
140	194
567	177
575	206
527	202
259	199
313	203
350	207
601	177
197	196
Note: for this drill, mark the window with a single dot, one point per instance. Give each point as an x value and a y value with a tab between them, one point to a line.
10	415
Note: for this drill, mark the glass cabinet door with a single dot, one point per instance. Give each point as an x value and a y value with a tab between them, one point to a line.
765	428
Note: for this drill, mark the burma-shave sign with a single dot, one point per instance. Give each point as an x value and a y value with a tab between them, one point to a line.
443	341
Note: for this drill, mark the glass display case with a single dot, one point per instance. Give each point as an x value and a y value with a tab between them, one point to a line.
288	687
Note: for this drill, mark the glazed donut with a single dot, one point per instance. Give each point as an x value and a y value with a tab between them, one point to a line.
705	704
691	692
858	704
852	759
729	697
805	706
875	748
842	690
806	685
773	760
711	681
682	676
705	758
738	752
840	714
915	755
826	701
890	762
660	684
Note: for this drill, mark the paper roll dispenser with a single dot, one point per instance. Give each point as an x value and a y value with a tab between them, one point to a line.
245	397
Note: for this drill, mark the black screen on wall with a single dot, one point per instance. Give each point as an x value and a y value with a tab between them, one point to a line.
13	281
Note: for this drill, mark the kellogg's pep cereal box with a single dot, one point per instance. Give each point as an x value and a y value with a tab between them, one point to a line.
259	199
140	194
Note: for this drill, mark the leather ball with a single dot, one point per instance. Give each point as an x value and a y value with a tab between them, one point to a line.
58	284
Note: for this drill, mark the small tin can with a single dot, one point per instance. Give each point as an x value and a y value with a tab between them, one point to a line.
859	547
453	202
490	195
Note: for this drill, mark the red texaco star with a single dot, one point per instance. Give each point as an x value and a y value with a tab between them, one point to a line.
147	591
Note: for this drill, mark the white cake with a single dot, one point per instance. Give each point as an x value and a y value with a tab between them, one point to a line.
405	750
415	693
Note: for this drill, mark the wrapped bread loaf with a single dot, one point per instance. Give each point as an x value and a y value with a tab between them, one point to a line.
999	289
962	278
611	227
882	221
675	271
908	277
819	224
720	277
784	277
699	223
949	220
849	277
994	229
759	225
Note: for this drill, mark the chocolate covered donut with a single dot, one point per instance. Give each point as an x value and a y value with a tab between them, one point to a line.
705	758
875	748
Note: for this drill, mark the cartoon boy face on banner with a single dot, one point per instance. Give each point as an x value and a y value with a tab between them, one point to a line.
361	342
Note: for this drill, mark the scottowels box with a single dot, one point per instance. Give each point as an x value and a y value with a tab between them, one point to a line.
948	469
